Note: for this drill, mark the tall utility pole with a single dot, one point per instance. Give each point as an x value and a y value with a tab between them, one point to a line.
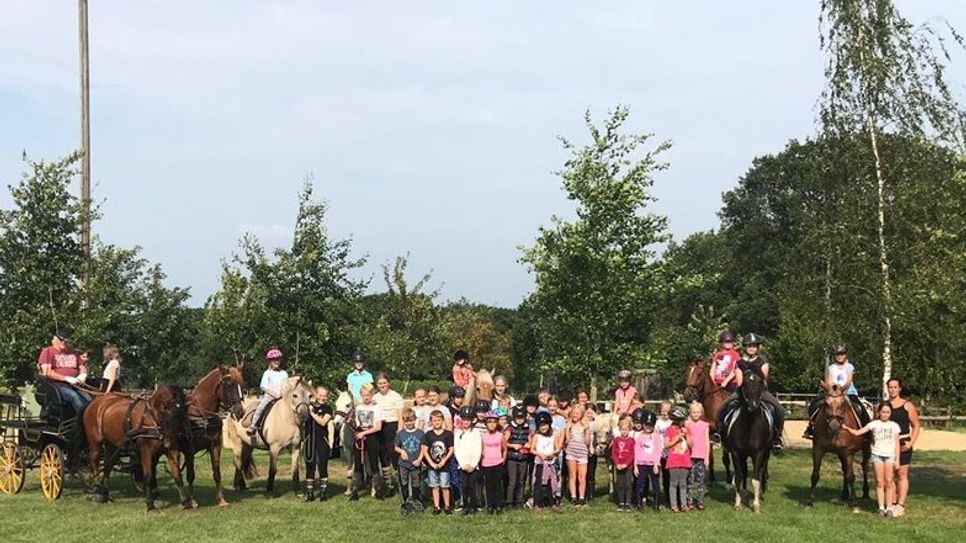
85	138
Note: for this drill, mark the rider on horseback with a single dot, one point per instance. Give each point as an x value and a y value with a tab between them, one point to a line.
273	381
753	363
724	363
841	374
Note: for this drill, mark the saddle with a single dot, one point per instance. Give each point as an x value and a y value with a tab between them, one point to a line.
246	420
733	408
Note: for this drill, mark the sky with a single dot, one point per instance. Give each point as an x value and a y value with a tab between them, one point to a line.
430	128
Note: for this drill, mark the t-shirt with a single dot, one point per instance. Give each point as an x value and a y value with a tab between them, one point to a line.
274	381
699	438
410	441
437	445
467	448
492	449
883	437
355	380
622	450
462	375
661	426
624	399
366	416
558	423
840	374
321	410
390	402
648	448
114	364
724	363
678	456
423	415
67	362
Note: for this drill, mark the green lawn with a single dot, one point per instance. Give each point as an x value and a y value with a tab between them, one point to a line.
936	512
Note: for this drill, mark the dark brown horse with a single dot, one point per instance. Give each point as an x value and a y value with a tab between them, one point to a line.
700	387
220	390
830	436
152	426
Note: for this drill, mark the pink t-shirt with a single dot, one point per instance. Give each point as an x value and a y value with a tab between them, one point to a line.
647	448
492	449
678	456
699	438
724	363
623	399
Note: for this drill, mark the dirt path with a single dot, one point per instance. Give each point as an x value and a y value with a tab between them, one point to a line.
929	440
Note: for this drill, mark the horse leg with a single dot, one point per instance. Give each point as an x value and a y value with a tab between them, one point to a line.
148	456
759	464
738	480
272	469
848	467
729	475
817	455
214	451
100	480
296	452
174	464
347	440
710	464
189	462
866	454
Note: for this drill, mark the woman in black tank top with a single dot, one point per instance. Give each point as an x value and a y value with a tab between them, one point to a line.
904	414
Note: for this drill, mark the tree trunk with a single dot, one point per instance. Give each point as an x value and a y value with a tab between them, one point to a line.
883	264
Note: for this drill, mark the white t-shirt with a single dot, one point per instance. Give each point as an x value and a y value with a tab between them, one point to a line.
366	416
883	437
423	413
114	364
391	403
661	426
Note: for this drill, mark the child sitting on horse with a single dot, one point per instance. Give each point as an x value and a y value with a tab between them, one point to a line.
462	369
699	430
317	445
648	445
678	442
545	446
408	446
724	362
625	394
518	437
754	363
273	382
367	423
885	454
840	374
437	449
622	455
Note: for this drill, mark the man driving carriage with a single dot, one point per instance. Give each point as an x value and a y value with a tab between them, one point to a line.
63	367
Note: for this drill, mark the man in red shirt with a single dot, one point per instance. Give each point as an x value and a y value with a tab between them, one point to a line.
64	367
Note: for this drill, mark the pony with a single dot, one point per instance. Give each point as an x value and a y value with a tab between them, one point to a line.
480	387
219	390
829	436
282	429
748	435
700	386
603	428
341	427
152	426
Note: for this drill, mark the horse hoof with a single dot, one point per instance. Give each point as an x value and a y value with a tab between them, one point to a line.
153	512
194	504
729	486
222	503
738	508
756	508
856	510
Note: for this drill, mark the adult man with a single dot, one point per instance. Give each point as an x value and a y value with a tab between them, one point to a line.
64	367
359	376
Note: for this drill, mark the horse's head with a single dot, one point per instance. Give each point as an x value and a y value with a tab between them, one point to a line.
343	405
751	391
298	394
483	384
230	397
603	430
834	408
170	405
697	374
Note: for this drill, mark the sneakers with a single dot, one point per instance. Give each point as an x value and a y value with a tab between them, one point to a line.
448	511
437	510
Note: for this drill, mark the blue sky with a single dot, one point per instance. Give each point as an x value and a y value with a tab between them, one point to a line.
429	127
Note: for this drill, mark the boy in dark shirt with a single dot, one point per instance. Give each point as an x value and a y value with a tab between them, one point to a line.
409	447
437	449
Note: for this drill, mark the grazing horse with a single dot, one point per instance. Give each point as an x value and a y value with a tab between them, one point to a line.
282	429
829	436
218	391
480	387
748	435
603	429
700	386
152	426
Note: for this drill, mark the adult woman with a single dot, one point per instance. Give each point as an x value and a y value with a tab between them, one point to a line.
904	414
391	404
754	363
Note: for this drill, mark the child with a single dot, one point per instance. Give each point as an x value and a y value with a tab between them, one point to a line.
437	449
559	422
663	423
273	381
678	443
885	453
543	398
637	421
468	450
408	445
648	446
625	393
501	395
112	369
589	415
318	436
419	403
724	362
518	436
493	462
433	403
577	452
479	416
622	455
367	422
463	420
462	369
700	452
545	447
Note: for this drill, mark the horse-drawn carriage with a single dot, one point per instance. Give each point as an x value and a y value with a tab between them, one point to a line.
51	441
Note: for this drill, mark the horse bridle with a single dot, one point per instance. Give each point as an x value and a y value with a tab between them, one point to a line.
226	383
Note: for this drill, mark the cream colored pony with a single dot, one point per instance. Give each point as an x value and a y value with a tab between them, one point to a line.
480	388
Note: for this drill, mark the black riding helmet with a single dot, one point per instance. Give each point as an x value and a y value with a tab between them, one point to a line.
531	401
751	339
544	418
457	392
518	412
649	419
637	415
726	337
358	355
482	405
466	413
840	348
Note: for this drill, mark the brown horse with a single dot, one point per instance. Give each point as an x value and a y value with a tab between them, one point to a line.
152	426
700	386
830	436
220	390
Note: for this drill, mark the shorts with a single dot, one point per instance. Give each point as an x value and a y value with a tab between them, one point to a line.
905	458
438	479
882	459
580	461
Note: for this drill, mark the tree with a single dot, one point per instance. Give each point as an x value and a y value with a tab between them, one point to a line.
474	329
597	276
885	76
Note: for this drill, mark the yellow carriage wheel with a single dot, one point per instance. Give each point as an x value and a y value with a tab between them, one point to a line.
51	471
11	468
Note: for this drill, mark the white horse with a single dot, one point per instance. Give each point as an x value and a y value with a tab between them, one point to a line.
604	429
282	429
344	405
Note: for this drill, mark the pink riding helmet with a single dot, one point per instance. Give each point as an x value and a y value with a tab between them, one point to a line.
273	354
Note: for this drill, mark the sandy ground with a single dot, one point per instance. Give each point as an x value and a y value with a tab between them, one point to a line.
929	440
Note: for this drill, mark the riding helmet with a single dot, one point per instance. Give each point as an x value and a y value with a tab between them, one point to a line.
649	419
678	414
751	339
461	355
531	401
519	412
726	337
840	348
624	375
491	415
544	418
273	354
466	413
358	356
457	392
482	405
500	412
637	415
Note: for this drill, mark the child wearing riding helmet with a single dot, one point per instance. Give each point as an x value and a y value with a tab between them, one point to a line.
545	446
699	431
493	463
272	384
648	445
885	455
462	369
678	442
518	437
625	394
622	455
468	451
577	440
724	362
841	375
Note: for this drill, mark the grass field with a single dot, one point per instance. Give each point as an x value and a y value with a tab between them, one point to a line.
936	512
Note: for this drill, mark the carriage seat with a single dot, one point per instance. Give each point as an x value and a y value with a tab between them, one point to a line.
52	406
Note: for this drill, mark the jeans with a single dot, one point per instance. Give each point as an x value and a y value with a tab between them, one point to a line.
696	482
625	486
647	481
409	484
438	478
262	404
517	471
366	462
76	399
493	482
472	481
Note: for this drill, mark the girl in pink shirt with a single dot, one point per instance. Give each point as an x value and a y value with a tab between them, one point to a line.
647	462
677	440
700	453
625	394
494	458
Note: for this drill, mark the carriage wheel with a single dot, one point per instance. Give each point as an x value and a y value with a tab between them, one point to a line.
11	469
52	471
